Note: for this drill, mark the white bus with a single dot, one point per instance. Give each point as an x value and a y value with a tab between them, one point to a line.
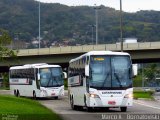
37	80
101	79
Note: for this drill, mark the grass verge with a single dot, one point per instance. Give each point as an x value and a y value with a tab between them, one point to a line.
143	94
24	109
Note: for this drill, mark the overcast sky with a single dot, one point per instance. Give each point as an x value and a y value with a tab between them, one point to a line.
128	5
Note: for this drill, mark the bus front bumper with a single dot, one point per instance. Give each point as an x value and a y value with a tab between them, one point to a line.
110	102
51	93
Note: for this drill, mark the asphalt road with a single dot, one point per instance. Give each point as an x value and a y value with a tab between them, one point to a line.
149	110
157	96
141	108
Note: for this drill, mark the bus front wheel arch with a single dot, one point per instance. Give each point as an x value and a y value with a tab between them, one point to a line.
89	109
34	95
85	102
72	102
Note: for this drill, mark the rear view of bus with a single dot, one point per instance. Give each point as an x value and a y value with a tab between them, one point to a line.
37	80
105	80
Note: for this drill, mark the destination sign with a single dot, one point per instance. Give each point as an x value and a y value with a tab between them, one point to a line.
45	70
99	59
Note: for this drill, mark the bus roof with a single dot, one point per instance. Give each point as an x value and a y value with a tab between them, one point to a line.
99	53
40	65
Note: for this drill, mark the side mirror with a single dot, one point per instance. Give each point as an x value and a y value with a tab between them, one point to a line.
87	70
38	75
65	75
134	70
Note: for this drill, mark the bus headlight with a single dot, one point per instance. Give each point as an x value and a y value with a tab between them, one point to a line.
128	95
44	91
94	96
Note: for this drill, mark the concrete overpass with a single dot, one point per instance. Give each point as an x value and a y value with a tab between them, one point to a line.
140	53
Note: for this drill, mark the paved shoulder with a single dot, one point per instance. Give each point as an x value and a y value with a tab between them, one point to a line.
5	92
149	106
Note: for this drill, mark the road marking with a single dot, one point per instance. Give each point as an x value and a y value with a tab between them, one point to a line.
147	105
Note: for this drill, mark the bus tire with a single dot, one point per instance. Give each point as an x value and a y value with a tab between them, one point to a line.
72	103
15	93
18	93
89	109
56	98
85	104
34	95
106	108
123	109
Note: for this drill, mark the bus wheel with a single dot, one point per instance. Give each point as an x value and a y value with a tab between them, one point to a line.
80	108
89	109
106	108
56	98
18	94
72	103
15	93
123	109
34	95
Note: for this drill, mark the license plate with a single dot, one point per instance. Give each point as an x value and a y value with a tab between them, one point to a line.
111	102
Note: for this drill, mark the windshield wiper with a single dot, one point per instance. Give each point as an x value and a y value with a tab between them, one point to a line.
105	79
49	82
116	76
54	78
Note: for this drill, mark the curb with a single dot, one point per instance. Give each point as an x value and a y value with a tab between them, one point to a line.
146	99
149	99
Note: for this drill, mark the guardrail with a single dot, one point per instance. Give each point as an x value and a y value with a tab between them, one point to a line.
87	48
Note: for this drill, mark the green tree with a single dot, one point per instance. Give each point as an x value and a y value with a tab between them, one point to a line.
5	40
5	52
5	77
150	71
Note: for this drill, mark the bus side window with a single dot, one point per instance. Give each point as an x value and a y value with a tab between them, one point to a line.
83	72
87	60
11	73
36	78
23	74
70	72
35	74
81	76
17	74
26	75
32	73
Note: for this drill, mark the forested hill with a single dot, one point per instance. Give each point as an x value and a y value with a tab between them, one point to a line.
61	22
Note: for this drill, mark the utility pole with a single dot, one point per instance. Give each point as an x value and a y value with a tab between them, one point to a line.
142	75
96	17
121	26
92	30
92	33
39	38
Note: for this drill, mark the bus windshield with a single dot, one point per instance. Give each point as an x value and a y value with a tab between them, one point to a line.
110	72
51	77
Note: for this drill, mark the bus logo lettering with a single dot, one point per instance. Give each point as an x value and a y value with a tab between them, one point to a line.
111	92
